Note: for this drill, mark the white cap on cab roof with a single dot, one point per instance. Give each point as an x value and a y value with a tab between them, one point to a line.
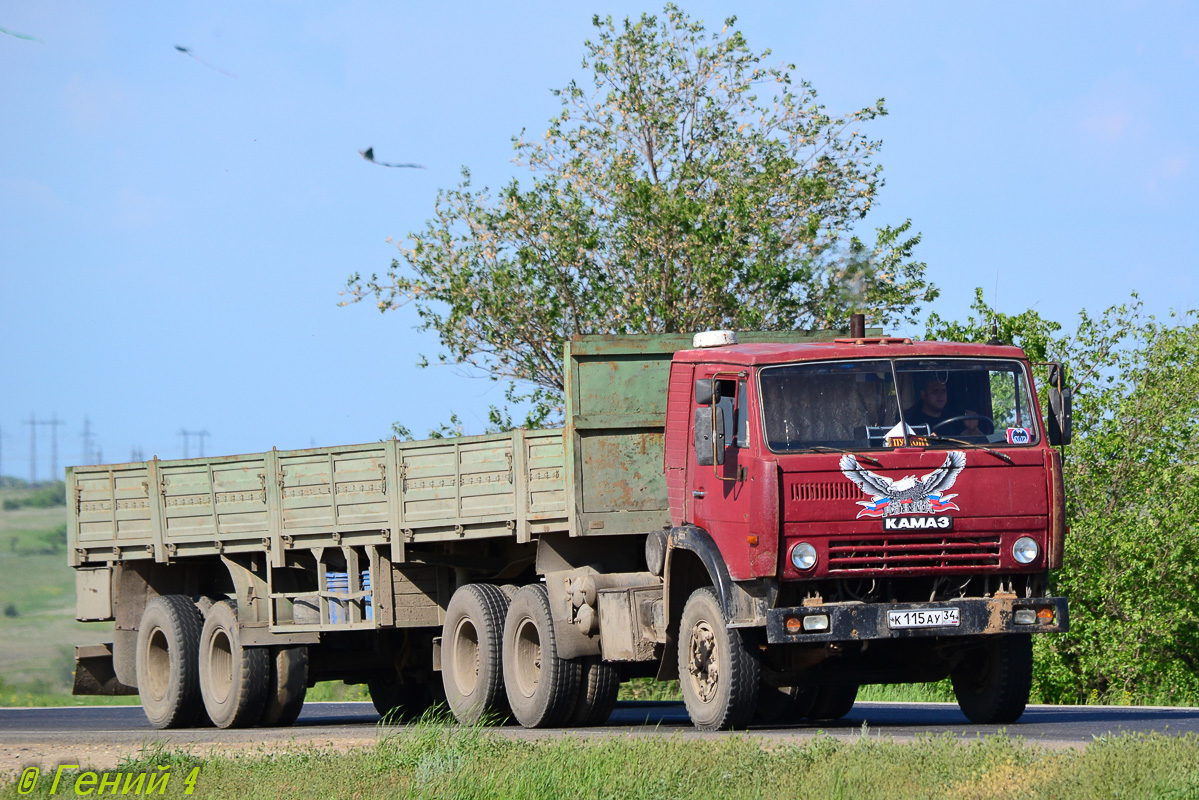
713	339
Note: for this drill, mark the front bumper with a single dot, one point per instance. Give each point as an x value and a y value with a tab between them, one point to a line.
977	616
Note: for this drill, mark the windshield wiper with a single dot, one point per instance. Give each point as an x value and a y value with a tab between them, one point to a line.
862	456
936	437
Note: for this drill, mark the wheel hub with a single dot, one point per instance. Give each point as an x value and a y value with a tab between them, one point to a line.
703	665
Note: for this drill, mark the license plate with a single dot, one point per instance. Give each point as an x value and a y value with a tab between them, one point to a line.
924	618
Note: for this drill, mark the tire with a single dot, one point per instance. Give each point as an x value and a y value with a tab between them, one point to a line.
598	686
719	671
167	662
781	704
471	653
400	699
832	702
286	687
510	589
542	688
992	682
234	680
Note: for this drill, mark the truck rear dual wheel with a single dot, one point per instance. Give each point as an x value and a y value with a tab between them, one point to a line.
993	680
542	688
471	653
168	644
234	680
286	687
599	684
719	671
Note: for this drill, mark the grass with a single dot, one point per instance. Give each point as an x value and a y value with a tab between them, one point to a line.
37	608
437	760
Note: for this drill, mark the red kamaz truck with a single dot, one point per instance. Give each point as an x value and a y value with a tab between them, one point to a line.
773	519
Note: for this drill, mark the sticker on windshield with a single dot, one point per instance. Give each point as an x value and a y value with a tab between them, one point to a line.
908	495
895	436
1019	435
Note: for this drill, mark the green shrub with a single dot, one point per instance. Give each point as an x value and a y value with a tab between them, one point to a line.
1131	567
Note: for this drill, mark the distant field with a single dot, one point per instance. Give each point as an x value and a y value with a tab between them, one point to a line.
38	630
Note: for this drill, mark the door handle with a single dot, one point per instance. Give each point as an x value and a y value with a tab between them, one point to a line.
698	495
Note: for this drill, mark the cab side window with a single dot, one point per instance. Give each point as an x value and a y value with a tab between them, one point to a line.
732	407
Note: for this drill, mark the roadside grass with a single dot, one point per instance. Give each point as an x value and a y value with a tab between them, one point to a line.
433	759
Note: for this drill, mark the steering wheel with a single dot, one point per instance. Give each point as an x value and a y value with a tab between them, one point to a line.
961	418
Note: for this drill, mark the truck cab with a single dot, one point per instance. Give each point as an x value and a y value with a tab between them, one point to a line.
882	510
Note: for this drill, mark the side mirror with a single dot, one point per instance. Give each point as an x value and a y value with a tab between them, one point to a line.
707	392
1061	401
1060	412
703	437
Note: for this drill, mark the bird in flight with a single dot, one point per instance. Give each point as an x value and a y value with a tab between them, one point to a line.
187	52
369	155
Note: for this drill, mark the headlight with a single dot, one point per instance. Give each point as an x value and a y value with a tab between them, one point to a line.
1025	550
803	556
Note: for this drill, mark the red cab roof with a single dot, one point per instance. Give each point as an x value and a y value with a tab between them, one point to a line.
762	354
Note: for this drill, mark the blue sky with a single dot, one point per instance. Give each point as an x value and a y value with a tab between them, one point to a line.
174	239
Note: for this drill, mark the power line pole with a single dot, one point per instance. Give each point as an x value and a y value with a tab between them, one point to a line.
186	434
87	435
53	422
1	454
32	423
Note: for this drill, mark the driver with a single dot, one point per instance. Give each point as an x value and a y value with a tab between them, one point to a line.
930	410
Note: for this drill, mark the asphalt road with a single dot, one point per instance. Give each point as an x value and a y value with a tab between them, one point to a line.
1050	725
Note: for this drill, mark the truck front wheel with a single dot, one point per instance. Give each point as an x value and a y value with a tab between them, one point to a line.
234	680
719	669
993	680
168	641
471	642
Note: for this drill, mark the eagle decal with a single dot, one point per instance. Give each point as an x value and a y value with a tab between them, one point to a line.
908	495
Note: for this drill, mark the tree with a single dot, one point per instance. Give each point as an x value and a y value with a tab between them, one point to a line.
1131	567
686	186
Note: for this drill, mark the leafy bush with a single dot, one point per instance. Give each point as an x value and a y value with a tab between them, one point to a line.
49	496
1131	568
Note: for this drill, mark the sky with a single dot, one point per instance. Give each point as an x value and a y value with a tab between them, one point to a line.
176	227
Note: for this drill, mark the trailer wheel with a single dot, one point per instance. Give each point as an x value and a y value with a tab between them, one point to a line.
783	703
168	641
471	646
993	681
399	698
542	687
833	702
287	687
598	685
719	671
234	680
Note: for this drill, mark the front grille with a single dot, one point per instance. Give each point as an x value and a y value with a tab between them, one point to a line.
840	490
909	553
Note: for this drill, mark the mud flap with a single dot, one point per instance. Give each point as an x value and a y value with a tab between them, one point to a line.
94	672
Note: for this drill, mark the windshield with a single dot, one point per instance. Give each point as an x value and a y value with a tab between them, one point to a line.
858	404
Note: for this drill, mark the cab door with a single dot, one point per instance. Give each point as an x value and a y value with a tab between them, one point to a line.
718	495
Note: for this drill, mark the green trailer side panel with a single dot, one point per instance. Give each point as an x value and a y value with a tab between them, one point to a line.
615	421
